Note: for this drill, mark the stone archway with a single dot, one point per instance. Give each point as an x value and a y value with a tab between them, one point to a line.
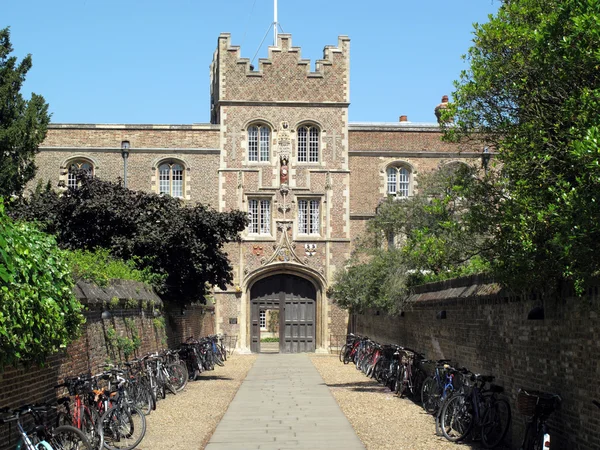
296	299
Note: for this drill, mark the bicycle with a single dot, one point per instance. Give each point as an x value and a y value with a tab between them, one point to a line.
537	406
123	423
437	387
477	406
81	416
42	437
349	349
410	375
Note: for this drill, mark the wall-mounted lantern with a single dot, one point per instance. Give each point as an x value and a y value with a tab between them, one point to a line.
125	154
485	158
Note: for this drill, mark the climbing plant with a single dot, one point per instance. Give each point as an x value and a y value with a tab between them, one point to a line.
39	314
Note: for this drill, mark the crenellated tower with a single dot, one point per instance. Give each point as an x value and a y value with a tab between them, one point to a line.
284	159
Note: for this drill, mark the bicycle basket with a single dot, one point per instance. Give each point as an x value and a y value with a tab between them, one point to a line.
530	403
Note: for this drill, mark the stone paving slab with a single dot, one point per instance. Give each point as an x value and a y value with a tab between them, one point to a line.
284	404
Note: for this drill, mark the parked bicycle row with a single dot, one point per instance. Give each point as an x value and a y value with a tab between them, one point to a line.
466	405
108	410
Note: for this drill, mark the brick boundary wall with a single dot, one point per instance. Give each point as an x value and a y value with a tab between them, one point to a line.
129	300
487	331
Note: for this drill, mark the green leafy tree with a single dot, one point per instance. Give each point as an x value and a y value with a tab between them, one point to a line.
183	243
533	93
23	123
411	241
38	311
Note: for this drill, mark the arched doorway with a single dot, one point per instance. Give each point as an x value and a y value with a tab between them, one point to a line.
295	300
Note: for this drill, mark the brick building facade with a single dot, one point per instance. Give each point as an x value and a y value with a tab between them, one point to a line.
279	146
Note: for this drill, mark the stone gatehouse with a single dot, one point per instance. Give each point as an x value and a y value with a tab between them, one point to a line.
279	146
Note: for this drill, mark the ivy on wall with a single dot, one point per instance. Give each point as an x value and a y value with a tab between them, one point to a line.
39	314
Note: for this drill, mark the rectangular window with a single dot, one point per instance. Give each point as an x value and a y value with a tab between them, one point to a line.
263	319
164	181
309	217
264	144
403	183
391	180
177	181
259	212
302	144
313	145
253	144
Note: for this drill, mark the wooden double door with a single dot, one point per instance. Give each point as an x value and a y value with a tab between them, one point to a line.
295	299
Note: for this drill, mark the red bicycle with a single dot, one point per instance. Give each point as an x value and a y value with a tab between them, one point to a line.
77	412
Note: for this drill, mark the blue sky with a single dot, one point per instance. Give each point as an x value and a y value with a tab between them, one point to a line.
147	61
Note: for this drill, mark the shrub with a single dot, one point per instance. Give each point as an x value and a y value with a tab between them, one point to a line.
38	312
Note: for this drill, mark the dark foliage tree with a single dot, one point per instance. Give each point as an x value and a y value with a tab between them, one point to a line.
533	92
185	243
23	123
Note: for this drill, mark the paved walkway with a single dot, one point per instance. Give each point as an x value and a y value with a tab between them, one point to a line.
284	404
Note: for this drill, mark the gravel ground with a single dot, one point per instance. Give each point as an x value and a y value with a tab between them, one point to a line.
187	420
380	419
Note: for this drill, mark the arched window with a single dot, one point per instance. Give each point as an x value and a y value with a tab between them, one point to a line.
308	144
259	143
398	181
77	167
170	179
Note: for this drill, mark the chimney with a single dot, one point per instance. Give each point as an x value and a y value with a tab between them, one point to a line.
403	118
438	109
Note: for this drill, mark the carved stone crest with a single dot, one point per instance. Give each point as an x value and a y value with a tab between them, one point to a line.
284	140
257	250
310	249
283	254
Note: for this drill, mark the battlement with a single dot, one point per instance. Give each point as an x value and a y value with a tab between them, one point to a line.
282	77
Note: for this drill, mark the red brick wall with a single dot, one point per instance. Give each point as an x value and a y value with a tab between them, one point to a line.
193	321
25	385
488	332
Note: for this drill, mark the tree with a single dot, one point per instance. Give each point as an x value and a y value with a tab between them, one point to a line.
411	241
185	243
23	123
533	93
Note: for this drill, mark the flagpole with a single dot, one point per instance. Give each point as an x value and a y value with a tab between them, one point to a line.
275	23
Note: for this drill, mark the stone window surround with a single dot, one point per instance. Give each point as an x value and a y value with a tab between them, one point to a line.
154	179
398	164
308	197
308	125
260	236
63	177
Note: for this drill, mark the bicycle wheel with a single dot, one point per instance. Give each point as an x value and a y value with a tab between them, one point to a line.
142	398
457	418
124	427
218	359
67	437
348	356
178	375
418	379
534	436
223	351
378	370
92	428
401	382
343	353
167	382
431	393
495	423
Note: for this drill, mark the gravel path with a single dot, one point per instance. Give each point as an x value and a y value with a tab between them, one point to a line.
381	420
187	420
